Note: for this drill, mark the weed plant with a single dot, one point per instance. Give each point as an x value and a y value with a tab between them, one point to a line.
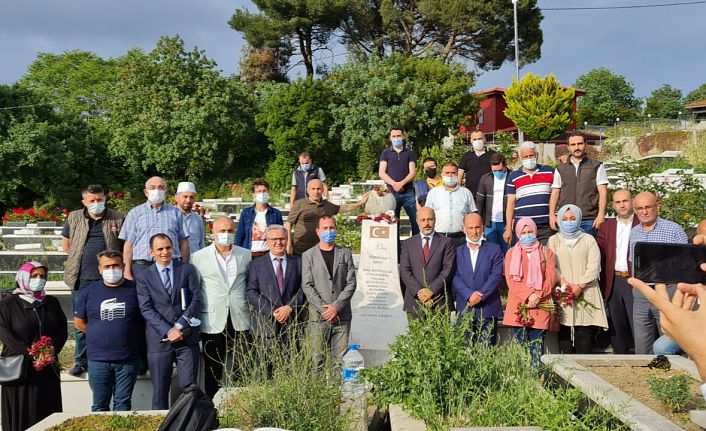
672	391
280	387
442	379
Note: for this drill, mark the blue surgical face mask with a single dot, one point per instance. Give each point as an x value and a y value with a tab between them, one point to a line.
96	208
449	181
328	236
36	284
397	142
499	174
569	226
529	164
305	166
528	239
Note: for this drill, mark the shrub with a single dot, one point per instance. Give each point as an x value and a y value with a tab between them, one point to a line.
441	378
672	391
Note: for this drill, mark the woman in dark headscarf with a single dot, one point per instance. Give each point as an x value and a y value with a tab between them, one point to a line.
25	317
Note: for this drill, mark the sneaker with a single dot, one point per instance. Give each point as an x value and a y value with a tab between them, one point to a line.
77	370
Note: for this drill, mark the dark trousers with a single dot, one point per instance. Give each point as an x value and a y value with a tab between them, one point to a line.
485	331
583	339
216	348
620	311
80	357
115	380
161	363
408	201
533	339
139	268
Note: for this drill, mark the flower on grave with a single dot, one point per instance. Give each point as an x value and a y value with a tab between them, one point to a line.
380	190
42	352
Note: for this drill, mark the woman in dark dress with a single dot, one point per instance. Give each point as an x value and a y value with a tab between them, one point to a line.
25	316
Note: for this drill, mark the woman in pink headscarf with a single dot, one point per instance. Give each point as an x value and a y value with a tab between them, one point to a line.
25	318
530	275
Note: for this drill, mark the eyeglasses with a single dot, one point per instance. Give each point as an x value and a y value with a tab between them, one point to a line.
278	239
646	208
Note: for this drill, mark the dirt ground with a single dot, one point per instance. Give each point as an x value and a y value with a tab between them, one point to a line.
631	378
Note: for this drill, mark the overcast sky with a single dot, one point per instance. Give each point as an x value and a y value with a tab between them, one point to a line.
649	47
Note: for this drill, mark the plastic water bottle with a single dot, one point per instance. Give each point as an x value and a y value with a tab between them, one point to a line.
351	386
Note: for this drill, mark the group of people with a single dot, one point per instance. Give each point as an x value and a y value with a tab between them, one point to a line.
147	293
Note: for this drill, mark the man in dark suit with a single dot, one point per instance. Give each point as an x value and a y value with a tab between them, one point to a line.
614	242
170	301
274	290
426	266
476	282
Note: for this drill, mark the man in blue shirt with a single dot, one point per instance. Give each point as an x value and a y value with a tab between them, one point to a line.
146	220
109	314
652	228
398	169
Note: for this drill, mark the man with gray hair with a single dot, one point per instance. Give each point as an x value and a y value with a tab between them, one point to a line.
274	290
87	232
529	189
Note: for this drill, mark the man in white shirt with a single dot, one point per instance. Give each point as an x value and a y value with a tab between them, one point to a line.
451	203
583	182
491	200
614	242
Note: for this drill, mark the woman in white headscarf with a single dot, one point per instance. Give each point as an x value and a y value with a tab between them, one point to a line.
25	317
578	267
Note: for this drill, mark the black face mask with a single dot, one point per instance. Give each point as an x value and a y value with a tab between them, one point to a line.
430	172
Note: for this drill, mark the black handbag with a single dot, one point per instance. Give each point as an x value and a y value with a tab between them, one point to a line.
12	368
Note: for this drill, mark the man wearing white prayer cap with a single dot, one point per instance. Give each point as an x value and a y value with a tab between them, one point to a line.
193	222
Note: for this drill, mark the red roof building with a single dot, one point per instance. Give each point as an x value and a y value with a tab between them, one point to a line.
698	109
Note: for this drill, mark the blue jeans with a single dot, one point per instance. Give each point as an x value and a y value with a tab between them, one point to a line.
666	346
533	339
408	201
587	226
494	234
80	337
112	379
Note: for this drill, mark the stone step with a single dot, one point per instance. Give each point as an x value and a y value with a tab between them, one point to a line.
9	230
46	242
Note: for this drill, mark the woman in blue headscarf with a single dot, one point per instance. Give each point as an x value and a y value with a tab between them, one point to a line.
578	267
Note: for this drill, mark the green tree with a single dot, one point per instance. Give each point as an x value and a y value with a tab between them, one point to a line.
173	114
296	27
664	102
424	96
478	30
296	118
608	96
539	106
696	95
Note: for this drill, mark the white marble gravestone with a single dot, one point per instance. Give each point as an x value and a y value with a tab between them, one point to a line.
377	302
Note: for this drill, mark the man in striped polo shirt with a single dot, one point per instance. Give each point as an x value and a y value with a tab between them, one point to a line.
528	191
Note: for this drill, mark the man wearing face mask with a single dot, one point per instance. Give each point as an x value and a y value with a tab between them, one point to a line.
328	282
451	203
185	198
146	220
431	180
476	283
305	172
491	200
475	163
87	232
254	220
528	193
398	169
225	316
109	314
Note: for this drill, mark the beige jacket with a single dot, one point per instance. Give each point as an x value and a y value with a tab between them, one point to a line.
580	264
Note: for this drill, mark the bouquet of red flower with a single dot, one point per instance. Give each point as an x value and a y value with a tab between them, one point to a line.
564	295
388	217
42	352
523	317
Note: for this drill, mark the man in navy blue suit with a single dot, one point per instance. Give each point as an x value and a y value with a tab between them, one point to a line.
170	301
476	283
274	290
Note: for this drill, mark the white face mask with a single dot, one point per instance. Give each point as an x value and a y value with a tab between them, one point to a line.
478	242
450	181
155	196
225	238
112	276
96	208
529	164
262	198
37	284
478	144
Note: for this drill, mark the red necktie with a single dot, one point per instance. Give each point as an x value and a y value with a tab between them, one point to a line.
425	248
280	275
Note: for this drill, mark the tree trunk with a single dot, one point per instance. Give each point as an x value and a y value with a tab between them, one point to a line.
305	51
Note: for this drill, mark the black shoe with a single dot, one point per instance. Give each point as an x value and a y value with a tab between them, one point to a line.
142	370
77	370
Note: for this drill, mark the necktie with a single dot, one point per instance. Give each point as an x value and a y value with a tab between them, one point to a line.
167	281
425	248
280	275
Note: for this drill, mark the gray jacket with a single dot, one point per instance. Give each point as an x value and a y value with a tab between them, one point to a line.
319	288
